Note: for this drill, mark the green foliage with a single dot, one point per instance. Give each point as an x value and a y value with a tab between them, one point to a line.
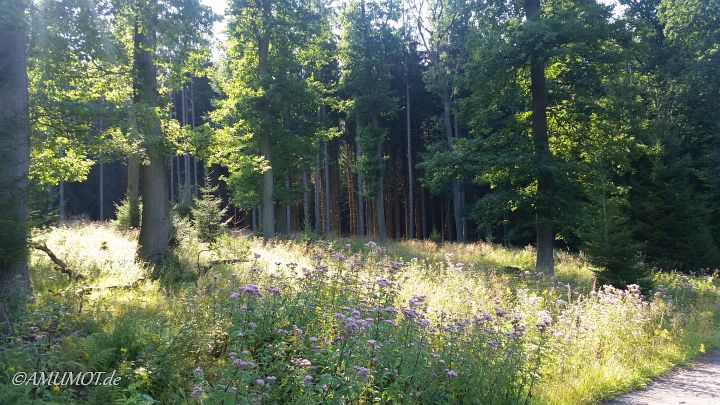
208	214
128	214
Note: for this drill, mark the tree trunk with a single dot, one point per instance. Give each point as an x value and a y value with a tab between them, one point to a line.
101	208
288	220
543	155
380	196
361	202
155	227
15	152
306	202
317	193
456	200
61	204
172	179
268	203
326	170
411	202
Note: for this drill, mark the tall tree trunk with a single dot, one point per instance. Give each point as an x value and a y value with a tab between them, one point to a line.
192	125
306	202
411	202
101	176
61	203
268	190
326	172
155	228
380	196
15	152
172	179
543	155
317	194
456	199
361	202
288	220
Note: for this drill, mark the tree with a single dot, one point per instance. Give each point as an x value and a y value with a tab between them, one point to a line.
441	28
15	146
269	98
367	44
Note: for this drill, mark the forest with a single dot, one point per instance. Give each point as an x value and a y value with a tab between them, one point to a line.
357	201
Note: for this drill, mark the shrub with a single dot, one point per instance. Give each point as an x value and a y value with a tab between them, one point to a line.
208	214
128	214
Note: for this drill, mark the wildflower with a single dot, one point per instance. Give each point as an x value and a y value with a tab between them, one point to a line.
301	363
363	371
232	354
544	320
383	283
409	313
313	339
452	373
270	379
259	381
252	325
56	388
274	290
307	379
297	331
499	312
197	391
250	290
492	343
197	371
424	323
243	364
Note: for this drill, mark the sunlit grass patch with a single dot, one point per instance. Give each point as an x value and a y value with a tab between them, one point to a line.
407	322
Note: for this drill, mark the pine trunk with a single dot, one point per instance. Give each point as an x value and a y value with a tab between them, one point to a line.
543	155
15	152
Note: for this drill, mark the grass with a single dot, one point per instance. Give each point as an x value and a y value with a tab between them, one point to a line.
201	334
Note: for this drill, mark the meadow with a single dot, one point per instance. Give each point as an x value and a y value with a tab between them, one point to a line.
344	321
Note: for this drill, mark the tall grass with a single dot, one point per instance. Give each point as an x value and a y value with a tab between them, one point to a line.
242	321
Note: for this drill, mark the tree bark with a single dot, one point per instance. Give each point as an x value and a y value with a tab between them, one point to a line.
380	196
543	155
361	202
153	243
411	202
15	152
265	141
133	190
306	202
101	176
326	170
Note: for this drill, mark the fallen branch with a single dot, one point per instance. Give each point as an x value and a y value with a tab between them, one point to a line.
61	266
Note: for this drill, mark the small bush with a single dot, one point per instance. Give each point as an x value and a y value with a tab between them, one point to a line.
128	214
208	214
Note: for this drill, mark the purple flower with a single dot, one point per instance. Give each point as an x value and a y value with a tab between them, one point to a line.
452	373
500	312
243	363
313	339
197	371
383	283
492	343
270	379
274	290
308	379
363	371
250	290
234	296
232	354
259	381
252	325
197	391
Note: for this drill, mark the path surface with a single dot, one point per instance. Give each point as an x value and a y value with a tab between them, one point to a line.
697	384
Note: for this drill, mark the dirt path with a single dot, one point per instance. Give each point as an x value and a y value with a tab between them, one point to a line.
697	384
